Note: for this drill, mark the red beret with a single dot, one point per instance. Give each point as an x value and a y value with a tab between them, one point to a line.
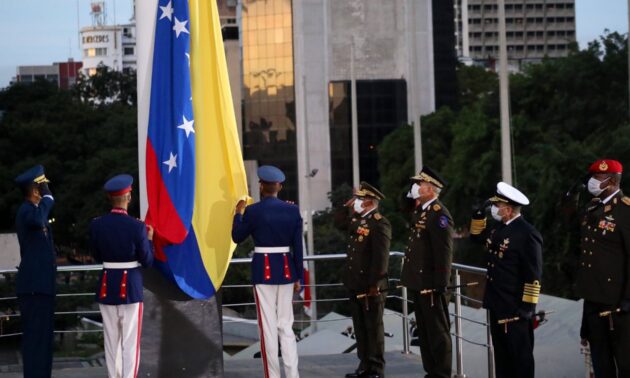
606	166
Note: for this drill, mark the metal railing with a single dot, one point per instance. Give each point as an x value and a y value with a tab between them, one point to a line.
457	315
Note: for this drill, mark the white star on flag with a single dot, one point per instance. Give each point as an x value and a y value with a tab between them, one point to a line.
187	126
180	27
167	11
171	162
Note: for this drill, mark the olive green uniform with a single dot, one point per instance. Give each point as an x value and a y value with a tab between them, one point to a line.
427	265
366	266
603	280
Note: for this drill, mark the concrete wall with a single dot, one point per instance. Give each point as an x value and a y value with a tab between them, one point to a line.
9	251
391	39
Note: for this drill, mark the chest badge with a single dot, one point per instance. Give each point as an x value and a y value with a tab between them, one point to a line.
607	224
503	247
362	232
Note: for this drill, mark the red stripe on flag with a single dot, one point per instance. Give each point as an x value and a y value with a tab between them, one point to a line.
162	214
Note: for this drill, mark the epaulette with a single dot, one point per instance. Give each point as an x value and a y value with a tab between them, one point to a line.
626	200
437	207
378	216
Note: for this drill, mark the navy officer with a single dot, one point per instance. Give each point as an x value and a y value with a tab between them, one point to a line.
35	285
123	244
276	227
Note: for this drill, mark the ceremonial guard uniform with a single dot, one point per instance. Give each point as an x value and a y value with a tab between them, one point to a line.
427	266
603	276
35	286
512	283
276	227
365	274
121	243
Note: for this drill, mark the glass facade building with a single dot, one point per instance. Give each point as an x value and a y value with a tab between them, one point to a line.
268	87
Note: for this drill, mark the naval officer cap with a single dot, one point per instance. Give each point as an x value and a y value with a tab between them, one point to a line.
269	173
118	185
34	175
429	175
506	193
369	191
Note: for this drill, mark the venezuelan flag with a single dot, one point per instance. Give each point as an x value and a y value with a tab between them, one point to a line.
191	203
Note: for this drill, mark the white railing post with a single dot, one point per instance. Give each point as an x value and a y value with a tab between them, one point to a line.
490	347
405	321
459	351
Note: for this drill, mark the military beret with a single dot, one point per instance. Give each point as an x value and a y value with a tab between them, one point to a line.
606	166
269	173
34	175
367	190
429	175
118	185
508	194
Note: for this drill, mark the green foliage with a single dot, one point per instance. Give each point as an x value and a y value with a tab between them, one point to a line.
80	138
565	114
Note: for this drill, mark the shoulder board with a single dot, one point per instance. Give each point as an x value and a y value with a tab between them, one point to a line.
626	200
378	216
437	207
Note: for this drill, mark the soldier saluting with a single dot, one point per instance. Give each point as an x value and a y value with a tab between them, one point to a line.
365	274
513	280
603	276
427	266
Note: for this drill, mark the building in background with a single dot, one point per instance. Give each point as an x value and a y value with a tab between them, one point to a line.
535	29
113	46
294	76
64	74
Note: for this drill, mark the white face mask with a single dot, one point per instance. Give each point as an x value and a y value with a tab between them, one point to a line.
594	186
415	191
358	206
494	210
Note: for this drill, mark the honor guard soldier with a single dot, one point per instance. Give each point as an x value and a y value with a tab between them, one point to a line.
513	280
123	244
276	227
35	286
603	275
365	277
427	269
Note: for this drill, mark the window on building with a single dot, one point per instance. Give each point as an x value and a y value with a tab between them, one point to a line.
518	7
92	52
129	51
382	108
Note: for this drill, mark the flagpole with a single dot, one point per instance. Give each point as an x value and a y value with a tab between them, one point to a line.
355	123
310	243
145	26
504	92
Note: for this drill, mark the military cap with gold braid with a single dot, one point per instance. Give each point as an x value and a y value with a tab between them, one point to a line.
34	175
367	190
428	175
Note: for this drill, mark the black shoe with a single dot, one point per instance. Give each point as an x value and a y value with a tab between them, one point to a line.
357	374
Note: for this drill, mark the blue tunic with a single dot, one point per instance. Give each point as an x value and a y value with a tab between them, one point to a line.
37	270
272	223
117	237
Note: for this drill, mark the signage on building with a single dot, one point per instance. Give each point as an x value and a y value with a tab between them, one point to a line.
104	38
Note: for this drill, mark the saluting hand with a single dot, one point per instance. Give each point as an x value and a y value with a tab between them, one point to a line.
240	206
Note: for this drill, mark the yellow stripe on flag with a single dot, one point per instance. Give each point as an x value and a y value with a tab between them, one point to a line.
220	173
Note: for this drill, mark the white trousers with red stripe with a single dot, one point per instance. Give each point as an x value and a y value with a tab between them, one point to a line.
122	326
274	306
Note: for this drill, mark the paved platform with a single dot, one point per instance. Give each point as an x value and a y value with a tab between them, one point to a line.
337	365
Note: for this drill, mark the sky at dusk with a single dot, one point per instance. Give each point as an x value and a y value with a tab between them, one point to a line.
40	32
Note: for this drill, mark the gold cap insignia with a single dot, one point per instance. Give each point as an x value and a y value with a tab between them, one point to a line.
603	166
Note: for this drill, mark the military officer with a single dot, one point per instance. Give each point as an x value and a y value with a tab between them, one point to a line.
123	244
427	266
276	227
603	275
35	286
513	280
365	274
